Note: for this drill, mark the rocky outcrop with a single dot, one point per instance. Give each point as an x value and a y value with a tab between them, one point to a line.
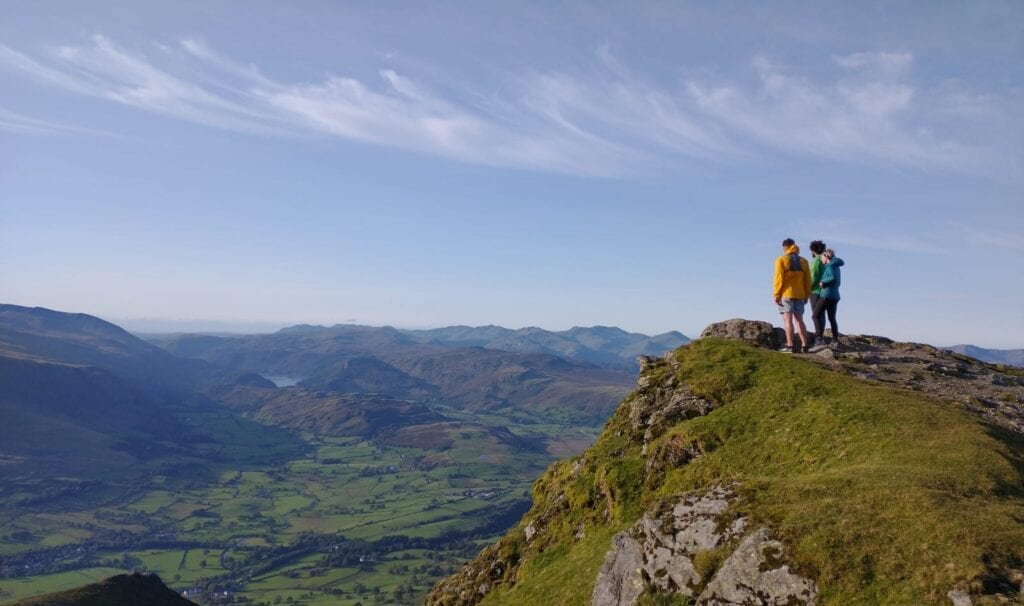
753	575
661	554
657	552
761	334
620	581
993	392
662	401
959	597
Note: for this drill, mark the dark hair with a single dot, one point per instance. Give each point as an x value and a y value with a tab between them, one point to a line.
817	247
788	242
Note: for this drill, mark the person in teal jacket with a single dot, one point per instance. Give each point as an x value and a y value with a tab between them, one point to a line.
828	294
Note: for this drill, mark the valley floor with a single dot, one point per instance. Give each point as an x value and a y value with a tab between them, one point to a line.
351	521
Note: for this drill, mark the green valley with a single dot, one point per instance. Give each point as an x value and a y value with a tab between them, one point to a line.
349	519
383	467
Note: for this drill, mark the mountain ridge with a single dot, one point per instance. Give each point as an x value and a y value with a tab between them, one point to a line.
736	475
1010	357
606	346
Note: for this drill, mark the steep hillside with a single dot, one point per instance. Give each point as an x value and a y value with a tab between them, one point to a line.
83	340
881	473
75	420
85	404
121	590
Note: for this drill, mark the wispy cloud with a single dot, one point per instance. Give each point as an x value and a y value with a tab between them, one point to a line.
1001	239
607	119
14	122
868	111
394	111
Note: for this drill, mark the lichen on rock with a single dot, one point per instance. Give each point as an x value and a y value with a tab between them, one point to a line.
752	576
755	332
657	552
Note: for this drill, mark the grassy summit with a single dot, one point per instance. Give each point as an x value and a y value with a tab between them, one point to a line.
881	495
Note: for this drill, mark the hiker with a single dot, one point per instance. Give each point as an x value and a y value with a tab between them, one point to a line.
792	287
817	247
829	294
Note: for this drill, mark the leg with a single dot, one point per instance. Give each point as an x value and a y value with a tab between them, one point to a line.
819	318
803	330
832	305
787	324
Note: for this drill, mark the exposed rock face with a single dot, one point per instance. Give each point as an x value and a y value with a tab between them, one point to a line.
620	581
761	334
657	555
959	597
662	402
657	552
752	575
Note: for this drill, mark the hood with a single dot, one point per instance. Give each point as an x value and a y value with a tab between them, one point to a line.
836	261
793	250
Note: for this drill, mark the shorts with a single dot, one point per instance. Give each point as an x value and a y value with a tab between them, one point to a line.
794	306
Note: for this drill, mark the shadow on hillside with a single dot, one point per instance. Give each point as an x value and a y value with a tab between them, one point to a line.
997	581
1015	456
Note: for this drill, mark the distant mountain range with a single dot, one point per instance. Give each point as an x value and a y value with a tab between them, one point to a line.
605	346
1009	357
80	395
397	365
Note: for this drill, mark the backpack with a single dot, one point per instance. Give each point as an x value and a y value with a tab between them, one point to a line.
794	262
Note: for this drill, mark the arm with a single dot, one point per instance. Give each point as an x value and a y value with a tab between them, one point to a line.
807	278
827	277
777	288
817	268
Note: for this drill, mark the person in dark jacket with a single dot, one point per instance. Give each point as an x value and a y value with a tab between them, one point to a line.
817	248
828	298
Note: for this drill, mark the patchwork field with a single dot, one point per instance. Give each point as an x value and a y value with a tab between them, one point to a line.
349	521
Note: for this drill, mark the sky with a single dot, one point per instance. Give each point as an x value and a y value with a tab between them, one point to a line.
249	165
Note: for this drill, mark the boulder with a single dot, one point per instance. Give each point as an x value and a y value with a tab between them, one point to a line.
656	554
753	575
620	582
755	332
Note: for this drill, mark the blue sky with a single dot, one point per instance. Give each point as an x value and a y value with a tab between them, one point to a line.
254	164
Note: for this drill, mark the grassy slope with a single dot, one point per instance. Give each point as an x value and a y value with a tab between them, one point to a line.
884	496
120	590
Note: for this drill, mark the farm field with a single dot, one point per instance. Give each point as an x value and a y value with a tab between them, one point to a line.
350	521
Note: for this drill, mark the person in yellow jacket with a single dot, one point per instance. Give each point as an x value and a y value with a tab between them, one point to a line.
792	288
